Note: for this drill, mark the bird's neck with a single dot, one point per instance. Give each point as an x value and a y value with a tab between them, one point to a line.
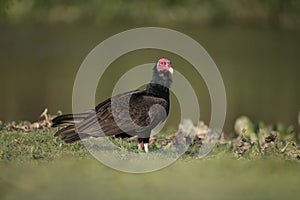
158	90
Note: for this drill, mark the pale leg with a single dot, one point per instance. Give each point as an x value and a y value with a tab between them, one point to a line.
146	147
140	145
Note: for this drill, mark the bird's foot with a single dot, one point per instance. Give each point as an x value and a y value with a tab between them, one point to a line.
146	147
140	146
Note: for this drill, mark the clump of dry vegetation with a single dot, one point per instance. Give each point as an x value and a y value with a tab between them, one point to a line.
43	123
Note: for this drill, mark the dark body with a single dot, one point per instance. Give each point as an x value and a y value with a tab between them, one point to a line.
132	113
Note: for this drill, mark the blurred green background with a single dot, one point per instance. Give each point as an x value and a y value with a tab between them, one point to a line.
255	44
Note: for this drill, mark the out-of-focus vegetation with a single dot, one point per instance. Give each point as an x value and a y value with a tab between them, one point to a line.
223	179
270	13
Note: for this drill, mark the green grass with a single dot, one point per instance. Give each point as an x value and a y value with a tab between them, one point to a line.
33	146
224	178
36	165
41	145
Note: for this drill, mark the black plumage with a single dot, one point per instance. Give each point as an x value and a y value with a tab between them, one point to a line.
132	113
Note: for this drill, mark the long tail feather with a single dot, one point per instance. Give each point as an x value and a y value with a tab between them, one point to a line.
69	134
68	119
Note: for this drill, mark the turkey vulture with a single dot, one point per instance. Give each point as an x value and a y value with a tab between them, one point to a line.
133	113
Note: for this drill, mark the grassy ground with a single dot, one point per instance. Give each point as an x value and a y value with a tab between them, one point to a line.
36	165
35	146
221	178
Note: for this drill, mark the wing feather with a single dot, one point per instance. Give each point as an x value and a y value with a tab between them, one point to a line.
114	116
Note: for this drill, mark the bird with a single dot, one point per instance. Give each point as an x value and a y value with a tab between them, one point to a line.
133	113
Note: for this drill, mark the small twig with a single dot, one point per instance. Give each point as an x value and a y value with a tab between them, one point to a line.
285	147
45	114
